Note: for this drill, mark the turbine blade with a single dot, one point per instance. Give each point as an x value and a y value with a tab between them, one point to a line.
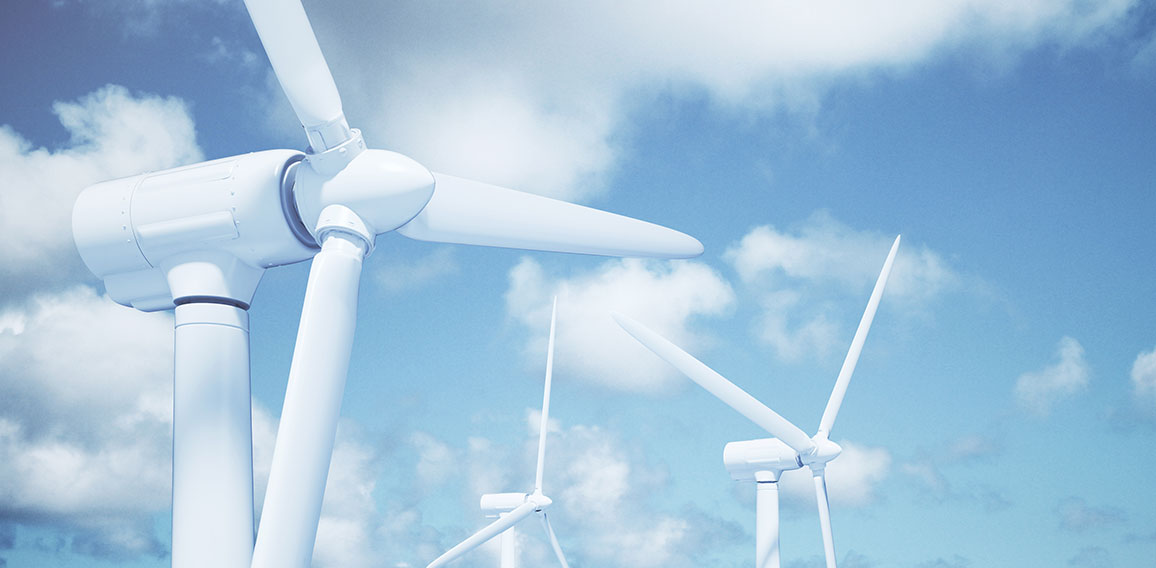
824	516
852	358
717	385
305	436
473	213
554	540
300	68
489	531
543	426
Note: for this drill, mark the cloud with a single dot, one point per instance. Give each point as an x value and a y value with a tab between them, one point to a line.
436	460
806	278
85	439
113	133
400	276
347	531
666	296
1144	377
590	473
956	561
536	97
1077	515
854	479
1037	391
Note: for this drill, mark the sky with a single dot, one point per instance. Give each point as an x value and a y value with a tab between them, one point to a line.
1003	413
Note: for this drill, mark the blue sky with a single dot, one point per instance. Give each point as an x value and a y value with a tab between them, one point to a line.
1003	412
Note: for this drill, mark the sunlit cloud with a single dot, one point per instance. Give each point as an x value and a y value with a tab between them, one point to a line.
665	296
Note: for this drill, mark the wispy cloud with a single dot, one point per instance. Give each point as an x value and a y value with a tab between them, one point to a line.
1038	390
399	276
1092	557
1077	515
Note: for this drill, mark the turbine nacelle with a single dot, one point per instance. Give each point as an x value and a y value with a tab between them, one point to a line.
494	504
204	230
759	460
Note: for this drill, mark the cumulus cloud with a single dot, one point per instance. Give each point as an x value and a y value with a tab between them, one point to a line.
85	439
535	96
113	133
665	296
805	279
1038	390
853	480
1144	377
347	531
590	473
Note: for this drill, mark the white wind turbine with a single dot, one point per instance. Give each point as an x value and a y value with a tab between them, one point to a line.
764	460
197	240
513	508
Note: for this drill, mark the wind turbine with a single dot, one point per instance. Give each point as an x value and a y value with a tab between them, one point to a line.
764	460
513	508
197	240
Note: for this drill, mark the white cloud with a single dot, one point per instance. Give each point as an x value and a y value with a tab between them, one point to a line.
1039	390
853	479
666	296
85	439
590	474
535	96
1144	376
811	281
347	531
112	134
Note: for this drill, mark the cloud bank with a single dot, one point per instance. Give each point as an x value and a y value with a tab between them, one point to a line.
538	96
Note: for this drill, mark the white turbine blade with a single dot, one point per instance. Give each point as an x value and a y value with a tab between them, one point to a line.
852	358
554	540
543	425
473	213
490	531
824	517
717	385
305	436
300	67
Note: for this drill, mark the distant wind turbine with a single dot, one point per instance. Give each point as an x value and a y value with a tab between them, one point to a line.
764	460
513	508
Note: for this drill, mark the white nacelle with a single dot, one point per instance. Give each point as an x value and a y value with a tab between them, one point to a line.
748	459
205	230
494	504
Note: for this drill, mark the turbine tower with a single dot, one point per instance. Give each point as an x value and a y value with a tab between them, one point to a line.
197	240
763	461
513	508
